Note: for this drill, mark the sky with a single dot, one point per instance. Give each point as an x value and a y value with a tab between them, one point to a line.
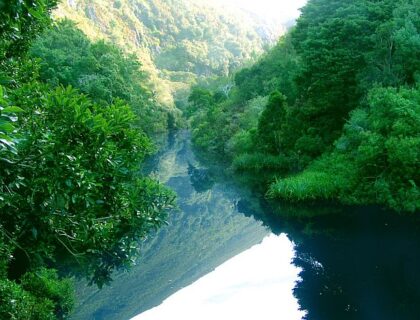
280	10
256	284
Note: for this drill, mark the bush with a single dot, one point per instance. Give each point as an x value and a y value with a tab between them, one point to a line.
18	304
41	295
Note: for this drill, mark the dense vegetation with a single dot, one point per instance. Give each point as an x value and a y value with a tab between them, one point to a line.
99	70
177	40
332	112
71	190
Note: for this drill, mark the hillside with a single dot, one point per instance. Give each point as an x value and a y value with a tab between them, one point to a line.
331	112
175	40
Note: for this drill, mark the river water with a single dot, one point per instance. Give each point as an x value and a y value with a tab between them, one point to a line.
227	254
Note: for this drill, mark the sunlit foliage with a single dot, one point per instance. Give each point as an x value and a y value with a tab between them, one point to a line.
178	41
99	70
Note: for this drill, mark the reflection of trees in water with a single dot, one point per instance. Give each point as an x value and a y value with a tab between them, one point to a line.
205	232
359	263
201	179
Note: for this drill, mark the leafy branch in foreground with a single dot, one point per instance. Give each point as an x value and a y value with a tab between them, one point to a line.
71	191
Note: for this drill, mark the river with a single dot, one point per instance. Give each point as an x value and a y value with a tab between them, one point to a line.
227	254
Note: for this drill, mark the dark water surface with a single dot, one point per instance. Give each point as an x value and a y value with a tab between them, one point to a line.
226	255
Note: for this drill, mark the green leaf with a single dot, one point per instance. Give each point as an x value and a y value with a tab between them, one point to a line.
35	14
6	126
12	109
5	137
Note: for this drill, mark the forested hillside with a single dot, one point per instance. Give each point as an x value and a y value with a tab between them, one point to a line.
102	71
332	112
177	41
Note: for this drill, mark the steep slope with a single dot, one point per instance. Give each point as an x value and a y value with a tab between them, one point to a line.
176	40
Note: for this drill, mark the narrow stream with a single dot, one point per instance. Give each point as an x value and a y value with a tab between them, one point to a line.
225	255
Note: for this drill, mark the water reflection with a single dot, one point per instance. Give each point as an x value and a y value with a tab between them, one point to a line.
200	179
256	284
206	231
353	263
366	267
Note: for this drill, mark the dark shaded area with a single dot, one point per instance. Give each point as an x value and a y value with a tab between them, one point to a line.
363	266
200	179
357	262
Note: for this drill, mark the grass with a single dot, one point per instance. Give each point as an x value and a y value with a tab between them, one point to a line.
306	186
331	177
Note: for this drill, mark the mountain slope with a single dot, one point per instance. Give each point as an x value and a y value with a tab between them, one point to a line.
176	40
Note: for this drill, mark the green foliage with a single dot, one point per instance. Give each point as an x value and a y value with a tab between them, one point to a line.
241	142
208	120
70	183
326	179
199	99
387	149
326	111
270	121
20	22
7	128
179	41
346	48
197	38
394	60
244	104
99	70
252	112
204	135
376	160
75	184
17	304
257	162
45	283
41	295
276	70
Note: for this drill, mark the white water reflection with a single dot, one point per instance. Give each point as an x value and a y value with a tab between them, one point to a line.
256	284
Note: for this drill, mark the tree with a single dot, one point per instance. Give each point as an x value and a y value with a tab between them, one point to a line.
199	99
341	61
270	123
20	22
374	161
332	39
